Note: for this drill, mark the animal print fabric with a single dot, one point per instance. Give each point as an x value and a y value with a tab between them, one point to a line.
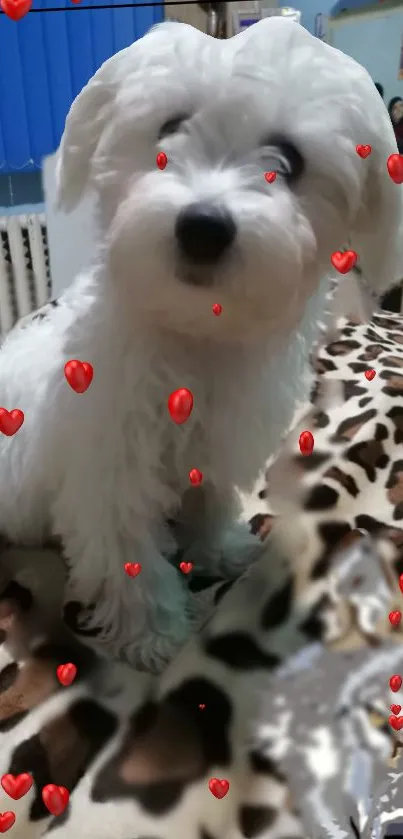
354	476
284	692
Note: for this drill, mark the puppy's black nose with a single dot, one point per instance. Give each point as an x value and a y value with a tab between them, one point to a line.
204	232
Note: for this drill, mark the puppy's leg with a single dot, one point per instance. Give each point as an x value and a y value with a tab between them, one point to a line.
143	619
117	547
212	535
146	619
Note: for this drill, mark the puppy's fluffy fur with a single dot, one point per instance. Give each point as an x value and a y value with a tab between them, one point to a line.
106	469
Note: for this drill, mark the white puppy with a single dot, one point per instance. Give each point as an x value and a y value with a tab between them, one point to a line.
105	470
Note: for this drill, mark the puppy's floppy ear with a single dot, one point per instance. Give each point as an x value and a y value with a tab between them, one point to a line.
85	121
377	235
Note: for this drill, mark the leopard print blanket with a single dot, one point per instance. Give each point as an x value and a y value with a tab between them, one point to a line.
274	721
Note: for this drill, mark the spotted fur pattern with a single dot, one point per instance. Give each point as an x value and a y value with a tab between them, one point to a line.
292	668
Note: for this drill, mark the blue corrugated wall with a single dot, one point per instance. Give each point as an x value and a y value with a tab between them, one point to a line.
45	59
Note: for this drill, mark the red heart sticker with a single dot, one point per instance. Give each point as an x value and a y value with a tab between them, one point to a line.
66	673
395	683
78	374
161	160
395	618
344	262
270	177
132	569
395	168
6	821
15	9
10	421
218	787
186	567
396	722
363	151
370	374
217	309
180	405
306	442
16	786
395	709
55	799
195	477
202	706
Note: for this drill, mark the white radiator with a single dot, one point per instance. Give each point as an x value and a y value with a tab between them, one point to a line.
24	267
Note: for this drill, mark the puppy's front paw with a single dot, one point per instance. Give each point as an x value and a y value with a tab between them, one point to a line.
240	548
233	553
150	651
156	650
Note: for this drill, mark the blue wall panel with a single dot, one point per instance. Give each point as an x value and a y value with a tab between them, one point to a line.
45	59
2	149
342	6
374	41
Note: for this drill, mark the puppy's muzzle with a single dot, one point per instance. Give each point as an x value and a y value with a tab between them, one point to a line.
204	233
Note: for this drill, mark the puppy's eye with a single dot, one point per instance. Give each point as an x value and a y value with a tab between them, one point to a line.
171	126
283	158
